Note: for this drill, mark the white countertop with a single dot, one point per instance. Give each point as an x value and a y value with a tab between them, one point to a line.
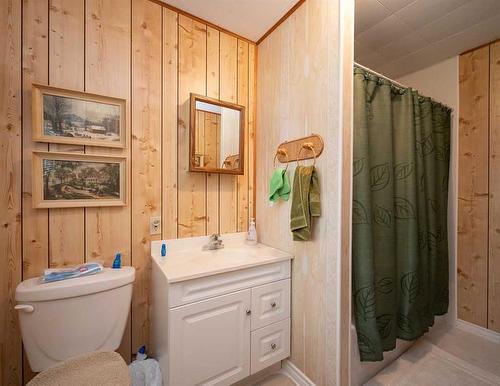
185	259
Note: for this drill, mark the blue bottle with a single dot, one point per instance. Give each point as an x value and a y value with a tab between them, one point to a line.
117	262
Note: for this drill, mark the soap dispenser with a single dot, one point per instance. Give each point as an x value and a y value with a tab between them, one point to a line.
252	233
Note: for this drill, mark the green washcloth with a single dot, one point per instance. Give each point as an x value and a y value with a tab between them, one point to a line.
279	185
305	202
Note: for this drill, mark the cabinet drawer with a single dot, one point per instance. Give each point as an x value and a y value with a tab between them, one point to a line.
270	303
194	290
269	345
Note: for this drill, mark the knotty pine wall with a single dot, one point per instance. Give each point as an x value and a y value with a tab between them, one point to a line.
478	241
153	57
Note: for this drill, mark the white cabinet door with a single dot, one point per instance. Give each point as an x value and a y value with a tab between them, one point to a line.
210	341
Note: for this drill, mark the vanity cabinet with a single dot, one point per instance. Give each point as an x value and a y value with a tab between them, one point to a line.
221	328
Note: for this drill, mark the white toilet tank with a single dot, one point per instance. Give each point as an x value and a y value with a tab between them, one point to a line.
73	317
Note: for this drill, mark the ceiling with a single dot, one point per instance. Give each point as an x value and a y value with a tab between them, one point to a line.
397	37
248	18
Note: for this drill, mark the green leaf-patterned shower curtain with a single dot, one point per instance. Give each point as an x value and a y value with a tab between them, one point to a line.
399	218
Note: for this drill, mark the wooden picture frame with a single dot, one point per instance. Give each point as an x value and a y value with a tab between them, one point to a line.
193	167
78	118
58	182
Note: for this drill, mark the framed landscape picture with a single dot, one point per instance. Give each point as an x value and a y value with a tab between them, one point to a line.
78	118
64	180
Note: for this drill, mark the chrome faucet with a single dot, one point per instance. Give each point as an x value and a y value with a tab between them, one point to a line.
214	242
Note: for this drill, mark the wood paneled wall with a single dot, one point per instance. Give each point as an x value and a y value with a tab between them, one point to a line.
10	189
494	218
153	57
478	249
299	93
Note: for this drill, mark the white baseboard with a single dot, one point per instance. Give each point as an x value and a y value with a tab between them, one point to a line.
478	330
292	371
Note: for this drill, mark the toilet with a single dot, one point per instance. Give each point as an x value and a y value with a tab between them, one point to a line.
70	318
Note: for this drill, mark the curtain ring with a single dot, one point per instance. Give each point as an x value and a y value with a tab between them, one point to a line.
281	151
308	146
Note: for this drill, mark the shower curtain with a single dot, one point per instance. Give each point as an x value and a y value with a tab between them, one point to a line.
399	214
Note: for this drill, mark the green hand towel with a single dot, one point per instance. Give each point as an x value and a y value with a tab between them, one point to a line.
285	190
279	185
305	202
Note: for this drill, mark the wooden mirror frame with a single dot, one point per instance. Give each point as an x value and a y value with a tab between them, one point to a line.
192	135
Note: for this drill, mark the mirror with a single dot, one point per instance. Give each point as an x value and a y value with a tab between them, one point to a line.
216	136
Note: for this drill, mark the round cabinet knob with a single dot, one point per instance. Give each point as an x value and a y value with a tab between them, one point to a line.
273	346
273	304
249	312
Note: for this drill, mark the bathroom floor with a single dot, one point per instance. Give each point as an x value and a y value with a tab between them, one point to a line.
447	357
275	380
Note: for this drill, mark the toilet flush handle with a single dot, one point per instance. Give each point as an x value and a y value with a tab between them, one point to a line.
25	307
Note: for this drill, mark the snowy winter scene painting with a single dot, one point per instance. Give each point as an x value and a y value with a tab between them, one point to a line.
71	117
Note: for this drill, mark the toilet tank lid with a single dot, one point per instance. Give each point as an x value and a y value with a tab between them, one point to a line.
33	290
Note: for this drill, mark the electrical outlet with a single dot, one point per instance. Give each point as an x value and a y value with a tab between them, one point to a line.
155	225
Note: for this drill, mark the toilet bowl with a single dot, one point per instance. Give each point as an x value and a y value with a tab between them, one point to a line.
73	317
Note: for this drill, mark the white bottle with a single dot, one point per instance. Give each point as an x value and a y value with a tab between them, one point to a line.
252	233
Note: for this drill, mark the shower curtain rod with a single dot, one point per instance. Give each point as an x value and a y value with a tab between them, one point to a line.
380	75
391	80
